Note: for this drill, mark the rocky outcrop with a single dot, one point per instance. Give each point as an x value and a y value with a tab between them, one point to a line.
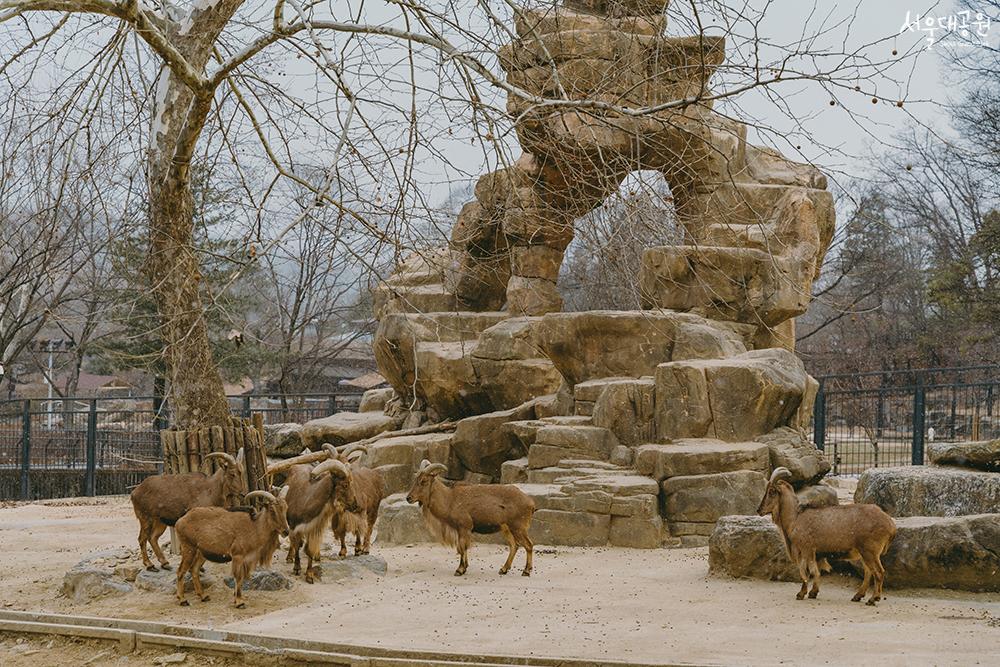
345	427
930	491
960	553
982	455
734	399
701	390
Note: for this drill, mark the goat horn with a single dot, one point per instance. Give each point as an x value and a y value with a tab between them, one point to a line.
239	457
330	449
266	495
781	472
228	458
283	492
331	465
435	469
350	449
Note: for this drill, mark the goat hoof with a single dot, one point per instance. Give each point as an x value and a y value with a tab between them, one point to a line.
459	573
871	603
857	598
241	605
526	573
166	566
152	568
799	596
504	570
813	594
185	603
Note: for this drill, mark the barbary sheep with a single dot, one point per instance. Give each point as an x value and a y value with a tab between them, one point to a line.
861	531
315	494
369	488
453	514
238	535
161	500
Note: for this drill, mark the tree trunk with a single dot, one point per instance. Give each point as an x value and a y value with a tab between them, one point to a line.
196	390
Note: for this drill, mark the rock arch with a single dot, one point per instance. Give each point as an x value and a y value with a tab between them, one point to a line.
757	225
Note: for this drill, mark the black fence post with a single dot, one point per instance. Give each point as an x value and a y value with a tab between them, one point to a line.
819	418
919	410
90	481
332	404
246	407
26	451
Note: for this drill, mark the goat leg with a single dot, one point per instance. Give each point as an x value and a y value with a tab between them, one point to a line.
196	568
512	549
143	539
238	572
158	529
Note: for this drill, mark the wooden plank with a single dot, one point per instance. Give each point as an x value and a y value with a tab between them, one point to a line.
204	447
166	445
194	456
180	442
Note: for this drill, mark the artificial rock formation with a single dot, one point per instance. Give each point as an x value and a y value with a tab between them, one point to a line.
636	428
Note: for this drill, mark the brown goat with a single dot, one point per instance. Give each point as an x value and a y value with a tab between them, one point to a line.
240	535
369	487
161	500
313	498
455	513
861	531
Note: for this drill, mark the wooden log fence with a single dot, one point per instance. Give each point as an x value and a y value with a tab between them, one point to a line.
185	451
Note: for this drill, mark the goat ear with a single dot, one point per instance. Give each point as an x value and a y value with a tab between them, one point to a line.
239	457
284	492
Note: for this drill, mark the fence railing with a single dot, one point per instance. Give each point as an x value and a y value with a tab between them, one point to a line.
890	425
99	446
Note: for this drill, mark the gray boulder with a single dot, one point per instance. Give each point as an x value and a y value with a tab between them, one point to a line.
983	455
400	523
374	400
98	575
961	553
345	427
262	580
282	441
482	445
930	491
789	448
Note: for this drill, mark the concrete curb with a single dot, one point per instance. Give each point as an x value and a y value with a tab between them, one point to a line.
132	635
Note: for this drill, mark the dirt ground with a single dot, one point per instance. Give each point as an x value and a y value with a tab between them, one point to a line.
598	603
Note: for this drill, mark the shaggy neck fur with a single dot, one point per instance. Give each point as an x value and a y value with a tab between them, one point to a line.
438	500
786	512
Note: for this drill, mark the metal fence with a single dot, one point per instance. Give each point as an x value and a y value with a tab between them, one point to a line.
99	446
889	419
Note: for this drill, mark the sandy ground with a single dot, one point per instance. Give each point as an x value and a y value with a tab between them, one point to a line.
599	603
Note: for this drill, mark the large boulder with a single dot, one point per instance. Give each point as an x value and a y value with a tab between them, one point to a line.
374	400
788	447
749	546
98	575
930	491
400	523
628	409
735	399
705	498
961	553
955	552
984	454
284	440
700	457
345	427
510	366
482	446
603	343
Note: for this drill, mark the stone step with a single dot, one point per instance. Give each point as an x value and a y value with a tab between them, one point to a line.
557	442
699	456
514	471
